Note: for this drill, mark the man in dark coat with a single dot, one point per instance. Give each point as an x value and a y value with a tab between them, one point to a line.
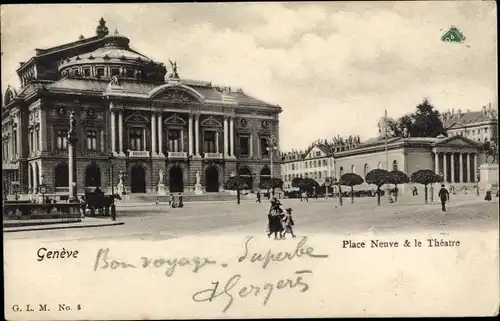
444	196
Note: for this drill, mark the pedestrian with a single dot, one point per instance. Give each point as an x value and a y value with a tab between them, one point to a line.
288	223
157	201
258	197
306	197
181	203
444	195
172	201
300	194
488	194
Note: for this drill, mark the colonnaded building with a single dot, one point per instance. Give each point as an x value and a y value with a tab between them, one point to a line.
456	158
154	125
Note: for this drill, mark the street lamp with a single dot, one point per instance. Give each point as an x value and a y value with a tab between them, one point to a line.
271	147
112	176
42	188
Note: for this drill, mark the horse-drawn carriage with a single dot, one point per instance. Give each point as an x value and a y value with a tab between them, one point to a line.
96	203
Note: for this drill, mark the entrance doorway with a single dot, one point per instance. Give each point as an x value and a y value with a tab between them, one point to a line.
92	176
246	174
212	179
175	180
138	179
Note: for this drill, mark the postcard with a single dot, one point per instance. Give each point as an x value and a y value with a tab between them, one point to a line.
250	160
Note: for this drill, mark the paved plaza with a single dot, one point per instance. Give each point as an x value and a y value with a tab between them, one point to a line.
159	222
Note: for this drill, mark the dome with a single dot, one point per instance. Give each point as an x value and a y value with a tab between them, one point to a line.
113	59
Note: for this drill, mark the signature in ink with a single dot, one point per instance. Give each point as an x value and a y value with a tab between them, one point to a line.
232	289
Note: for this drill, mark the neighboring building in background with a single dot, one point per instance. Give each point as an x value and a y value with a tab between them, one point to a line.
126	105
479	126
317	162
455	158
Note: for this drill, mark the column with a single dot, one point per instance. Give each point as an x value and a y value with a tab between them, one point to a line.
468	169
113	132
190	135
231	136
120	132
153	134
197	134
43	130
445	169
436	163
217	141
452	162
29	177
160	134
144	140
182	140
461	167
474	169
226	143
251	145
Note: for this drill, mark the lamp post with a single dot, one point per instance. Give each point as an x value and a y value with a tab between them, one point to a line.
42	188
271	147
72	139
112	179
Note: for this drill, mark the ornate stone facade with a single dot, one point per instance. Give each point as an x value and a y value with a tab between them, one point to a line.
127	112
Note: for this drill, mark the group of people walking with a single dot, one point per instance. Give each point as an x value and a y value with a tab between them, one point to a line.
279	222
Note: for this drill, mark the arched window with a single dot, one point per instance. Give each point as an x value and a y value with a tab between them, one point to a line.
353	169
367	169
265	176
395	165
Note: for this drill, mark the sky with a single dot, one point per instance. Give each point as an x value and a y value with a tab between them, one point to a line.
334	67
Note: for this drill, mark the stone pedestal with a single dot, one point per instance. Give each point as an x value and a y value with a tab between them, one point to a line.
198	189
120	188
488	174
161	189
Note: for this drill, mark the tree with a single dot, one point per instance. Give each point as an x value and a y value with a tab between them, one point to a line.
305	184
425	177
236	183
424	122
351	179
396	177
377	177
275	183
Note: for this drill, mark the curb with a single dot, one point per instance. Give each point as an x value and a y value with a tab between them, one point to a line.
59	227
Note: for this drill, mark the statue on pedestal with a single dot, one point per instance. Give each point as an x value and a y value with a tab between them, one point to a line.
161	185
197	187
161	174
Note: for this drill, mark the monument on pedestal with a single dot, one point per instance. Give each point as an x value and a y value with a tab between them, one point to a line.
161	186
120	188
197	187
72	139
488	172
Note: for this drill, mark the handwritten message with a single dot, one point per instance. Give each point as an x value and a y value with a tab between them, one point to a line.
234	287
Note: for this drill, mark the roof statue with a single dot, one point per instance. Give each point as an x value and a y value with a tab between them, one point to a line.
174	73
114	81
102	30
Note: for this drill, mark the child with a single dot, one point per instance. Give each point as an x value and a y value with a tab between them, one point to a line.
288	222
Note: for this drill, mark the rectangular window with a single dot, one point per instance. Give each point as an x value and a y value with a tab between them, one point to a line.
62	139
31	142
115	72
100	71
130	73
263	147
14	142
91	140
209	142
174	140
37	139
135	138
244	146
86	72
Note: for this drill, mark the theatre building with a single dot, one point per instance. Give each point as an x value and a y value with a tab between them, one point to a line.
133	117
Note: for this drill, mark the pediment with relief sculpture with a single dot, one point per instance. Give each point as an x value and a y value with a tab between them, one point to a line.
178	96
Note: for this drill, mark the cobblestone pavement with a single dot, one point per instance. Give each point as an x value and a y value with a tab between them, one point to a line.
159	222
